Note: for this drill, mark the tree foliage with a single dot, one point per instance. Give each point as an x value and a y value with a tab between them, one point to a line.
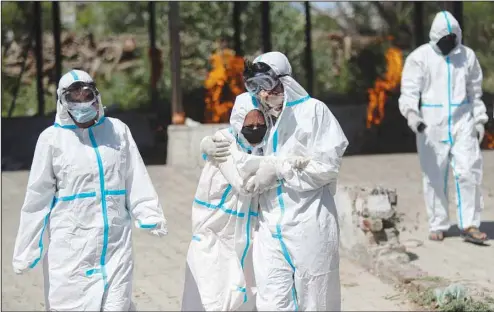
203	23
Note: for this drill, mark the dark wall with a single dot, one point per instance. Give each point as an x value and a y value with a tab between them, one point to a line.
19	135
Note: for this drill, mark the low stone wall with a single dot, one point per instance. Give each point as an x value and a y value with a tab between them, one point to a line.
184	141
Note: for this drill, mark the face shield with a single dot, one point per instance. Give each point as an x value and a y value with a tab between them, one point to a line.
79	94
80	99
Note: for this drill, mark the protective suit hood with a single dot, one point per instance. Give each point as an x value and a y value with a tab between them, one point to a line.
279	63
63	118
443	24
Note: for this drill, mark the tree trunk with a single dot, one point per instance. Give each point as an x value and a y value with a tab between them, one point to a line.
174	30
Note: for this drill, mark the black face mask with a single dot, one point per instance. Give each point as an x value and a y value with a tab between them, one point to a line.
254	135
447	43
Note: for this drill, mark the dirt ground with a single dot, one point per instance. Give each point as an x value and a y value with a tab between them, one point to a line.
452	259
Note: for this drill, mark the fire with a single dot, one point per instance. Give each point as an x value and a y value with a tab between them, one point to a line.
488	140
392	78
223	84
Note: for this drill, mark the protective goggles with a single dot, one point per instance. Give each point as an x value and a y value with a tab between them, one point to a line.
259	76
258	83
79	93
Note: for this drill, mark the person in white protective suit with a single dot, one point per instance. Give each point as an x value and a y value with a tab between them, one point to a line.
295	252
86	185
445	76
219	275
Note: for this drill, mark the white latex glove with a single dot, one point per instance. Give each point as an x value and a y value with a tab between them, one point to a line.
266	177
414	121
159	230
19	271
298	162
216	148
480	131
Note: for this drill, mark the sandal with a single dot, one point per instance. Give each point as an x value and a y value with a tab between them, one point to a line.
473	235
437	236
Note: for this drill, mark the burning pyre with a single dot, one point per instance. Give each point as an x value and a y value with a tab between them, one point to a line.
223	84
392	78
488	141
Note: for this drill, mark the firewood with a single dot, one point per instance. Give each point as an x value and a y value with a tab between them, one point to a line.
97	56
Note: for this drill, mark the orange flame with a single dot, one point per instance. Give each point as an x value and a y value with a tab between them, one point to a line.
223	84
488	142
392	78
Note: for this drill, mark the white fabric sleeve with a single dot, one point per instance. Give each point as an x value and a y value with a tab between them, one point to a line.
474	90
141	200
239	168
411	86
35	212
325	150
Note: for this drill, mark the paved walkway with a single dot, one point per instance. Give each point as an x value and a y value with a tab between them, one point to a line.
160	263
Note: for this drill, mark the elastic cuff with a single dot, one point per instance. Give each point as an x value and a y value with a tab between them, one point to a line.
148	225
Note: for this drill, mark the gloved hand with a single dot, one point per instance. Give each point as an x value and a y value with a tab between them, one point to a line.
19	271
416	123
421	127
157	230
217	148
266	176
298	162
480	132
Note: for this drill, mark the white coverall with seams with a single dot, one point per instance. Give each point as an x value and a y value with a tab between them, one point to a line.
295	254
450	89
219	274
84	188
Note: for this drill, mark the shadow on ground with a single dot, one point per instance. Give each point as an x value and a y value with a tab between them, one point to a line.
486	227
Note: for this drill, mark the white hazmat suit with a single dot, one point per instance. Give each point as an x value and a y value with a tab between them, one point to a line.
85	186
450	89
295	254
224	217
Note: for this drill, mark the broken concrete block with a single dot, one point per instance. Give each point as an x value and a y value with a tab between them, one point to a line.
379	206
369	225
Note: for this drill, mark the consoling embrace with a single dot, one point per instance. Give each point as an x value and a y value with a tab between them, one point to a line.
264	221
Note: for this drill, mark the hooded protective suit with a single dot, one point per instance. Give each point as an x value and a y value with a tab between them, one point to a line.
295	254
450	89
85	186
224	216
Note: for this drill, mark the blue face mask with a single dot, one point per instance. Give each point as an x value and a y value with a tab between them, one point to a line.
83	114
